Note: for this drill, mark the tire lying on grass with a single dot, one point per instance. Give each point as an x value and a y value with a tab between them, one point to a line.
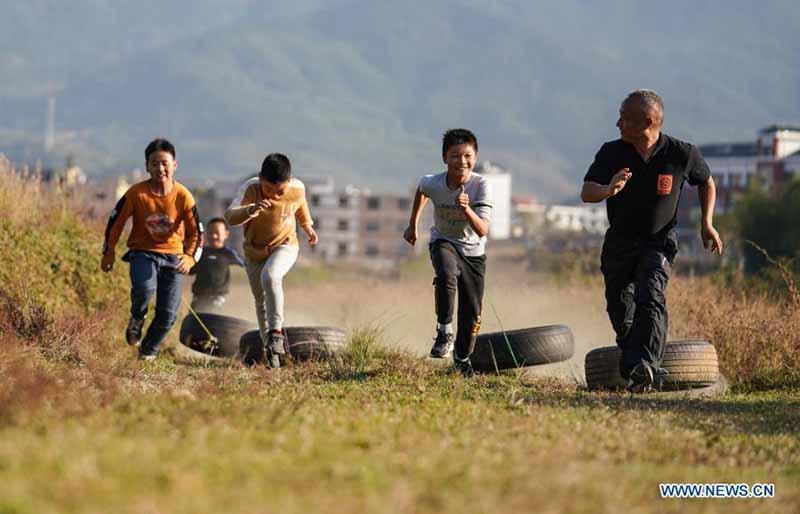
301	343
691	364
226	329
522	347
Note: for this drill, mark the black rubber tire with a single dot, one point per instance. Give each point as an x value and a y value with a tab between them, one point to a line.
691	364
251	348
306	343
301	343
528	347
226	329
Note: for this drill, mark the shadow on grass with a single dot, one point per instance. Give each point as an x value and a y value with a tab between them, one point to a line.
775	413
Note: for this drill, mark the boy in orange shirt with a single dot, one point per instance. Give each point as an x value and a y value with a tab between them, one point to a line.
159	254
268	210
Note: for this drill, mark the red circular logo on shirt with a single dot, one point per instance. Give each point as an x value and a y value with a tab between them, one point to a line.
664	184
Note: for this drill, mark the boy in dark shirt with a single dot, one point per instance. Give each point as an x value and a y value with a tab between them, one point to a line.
212	272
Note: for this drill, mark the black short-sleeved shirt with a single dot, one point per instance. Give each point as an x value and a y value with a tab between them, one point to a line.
212	271
648	204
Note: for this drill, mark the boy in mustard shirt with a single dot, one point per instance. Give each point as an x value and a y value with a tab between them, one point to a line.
164	243
268	210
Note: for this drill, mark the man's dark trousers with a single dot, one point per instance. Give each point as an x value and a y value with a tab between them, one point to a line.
636	271
456	272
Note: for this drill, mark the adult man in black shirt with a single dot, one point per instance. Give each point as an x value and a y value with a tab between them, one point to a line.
210	287
641	176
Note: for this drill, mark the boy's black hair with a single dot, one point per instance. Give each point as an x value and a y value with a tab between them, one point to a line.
458	136
276	168
159	145
218	220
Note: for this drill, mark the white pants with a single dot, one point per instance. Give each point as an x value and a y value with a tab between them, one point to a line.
266	283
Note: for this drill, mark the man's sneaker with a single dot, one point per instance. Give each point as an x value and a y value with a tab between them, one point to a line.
442	345
133	334
659	378
640	379
147	357
464	367
275	342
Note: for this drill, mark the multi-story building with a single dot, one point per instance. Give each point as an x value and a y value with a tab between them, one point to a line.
336	213
500	184
772	158
384	218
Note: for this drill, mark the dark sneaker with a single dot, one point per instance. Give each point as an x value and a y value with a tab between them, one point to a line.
640	379
274	360
442	345
275	342
464	367
133	334
659	378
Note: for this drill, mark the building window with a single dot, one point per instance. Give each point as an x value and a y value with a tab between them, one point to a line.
343	225
372	250
373	226
403	204
373	203
315	200
342	249
344	201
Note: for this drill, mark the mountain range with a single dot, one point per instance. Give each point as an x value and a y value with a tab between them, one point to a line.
362	90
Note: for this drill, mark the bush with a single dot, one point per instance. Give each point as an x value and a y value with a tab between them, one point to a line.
50	251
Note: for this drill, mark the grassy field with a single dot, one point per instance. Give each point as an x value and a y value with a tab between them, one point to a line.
85	428
401	437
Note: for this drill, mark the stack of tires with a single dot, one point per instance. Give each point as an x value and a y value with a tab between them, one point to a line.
497	351
691	365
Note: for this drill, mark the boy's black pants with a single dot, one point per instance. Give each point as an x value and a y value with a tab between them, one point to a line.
454	271
636	272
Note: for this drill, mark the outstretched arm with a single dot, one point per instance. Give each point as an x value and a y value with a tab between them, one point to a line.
116	223
420	200
707	194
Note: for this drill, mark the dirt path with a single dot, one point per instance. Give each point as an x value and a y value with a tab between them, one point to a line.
404	307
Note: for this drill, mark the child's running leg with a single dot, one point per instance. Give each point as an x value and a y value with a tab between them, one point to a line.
256	355
168	301
254	277
444	258
470	302
143	274
277	266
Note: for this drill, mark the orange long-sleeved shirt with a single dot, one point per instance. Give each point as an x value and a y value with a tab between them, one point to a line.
163	224
274	227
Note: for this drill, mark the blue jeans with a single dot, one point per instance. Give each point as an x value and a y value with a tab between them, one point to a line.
151	273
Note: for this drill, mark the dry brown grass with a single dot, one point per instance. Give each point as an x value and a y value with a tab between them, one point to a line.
756	336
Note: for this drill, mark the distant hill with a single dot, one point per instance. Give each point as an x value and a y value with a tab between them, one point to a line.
362	90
